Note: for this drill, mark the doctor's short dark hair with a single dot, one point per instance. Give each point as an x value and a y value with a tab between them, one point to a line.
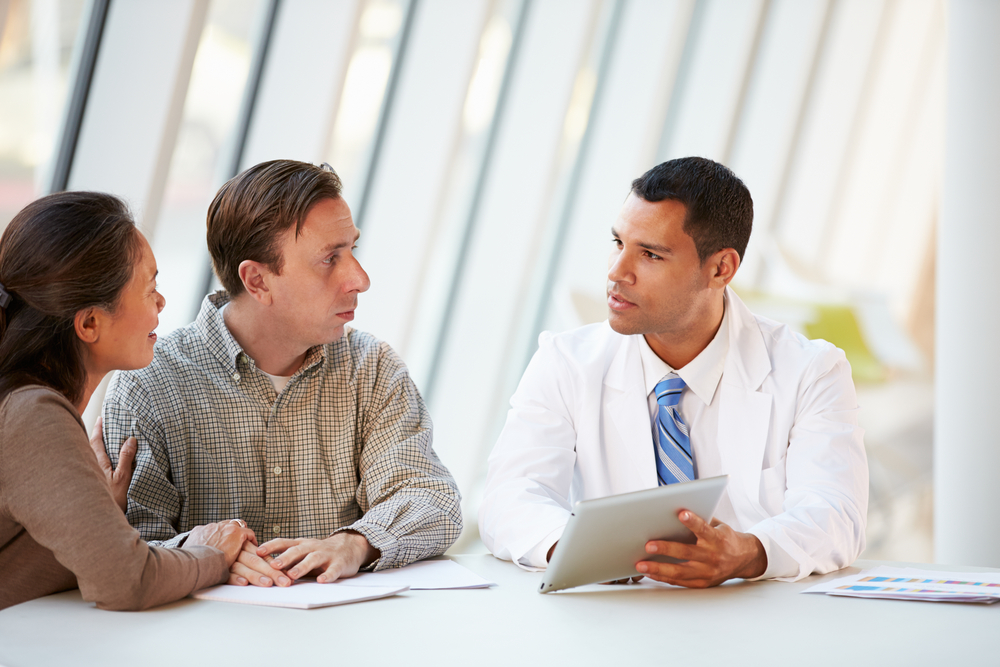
719	208
255	207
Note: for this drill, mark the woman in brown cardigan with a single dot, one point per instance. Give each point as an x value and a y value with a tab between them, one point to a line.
78	299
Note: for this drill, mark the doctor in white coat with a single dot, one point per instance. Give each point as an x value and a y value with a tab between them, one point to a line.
773	410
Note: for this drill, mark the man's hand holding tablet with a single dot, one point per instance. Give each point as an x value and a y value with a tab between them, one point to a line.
720	553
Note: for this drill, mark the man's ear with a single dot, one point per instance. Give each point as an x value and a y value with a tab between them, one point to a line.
723	266
87	324
255	277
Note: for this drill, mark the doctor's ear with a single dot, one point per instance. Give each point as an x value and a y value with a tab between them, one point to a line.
722	266
255	278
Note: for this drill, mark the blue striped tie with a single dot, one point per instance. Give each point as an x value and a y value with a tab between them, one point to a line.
674	461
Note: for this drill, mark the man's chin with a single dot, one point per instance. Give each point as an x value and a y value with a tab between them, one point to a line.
623	325
330	336
337	334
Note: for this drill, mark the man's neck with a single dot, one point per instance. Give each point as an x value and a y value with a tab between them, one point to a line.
249	324
678	349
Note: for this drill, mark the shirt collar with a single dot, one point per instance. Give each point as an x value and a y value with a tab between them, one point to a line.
702	374
212	326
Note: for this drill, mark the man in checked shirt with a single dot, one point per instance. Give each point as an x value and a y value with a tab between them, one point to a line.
268	408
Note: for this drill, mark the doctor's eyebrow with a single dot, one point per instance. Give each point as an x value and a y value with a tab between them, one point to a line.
652	247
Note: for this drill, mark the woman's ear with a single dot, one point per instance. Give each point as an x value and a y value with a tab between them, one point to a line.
87	324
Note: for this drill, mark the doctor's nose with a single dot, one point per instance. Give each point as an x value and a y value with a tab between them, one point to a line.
618	268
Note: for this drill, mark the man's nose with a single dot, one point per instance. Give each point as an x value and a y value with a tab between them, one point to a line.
359	281
618	268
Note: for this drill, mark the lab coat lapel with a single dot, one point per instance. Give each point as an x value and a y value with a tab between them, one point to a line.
629	412
744	412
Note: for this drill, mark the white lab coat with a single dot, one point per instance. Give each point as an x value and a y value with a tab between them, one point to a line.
788	437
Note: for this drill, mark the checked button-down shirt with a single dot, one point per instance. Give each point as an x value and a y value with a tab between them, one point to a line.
346	445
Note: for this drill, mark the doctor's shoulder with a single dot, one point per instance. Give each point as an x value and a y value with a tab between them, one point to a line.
585	346
793	354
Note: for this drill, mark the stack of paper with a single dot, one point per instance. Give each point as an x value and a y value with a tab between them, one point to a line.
907	583
307	594
300	595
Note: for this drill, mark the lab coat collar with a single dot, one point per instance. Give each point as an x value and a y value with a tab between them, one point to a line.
748	362
626	396
744	412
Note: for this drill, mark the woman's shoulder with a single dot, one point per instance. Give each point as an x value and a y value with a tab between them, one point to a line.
36	404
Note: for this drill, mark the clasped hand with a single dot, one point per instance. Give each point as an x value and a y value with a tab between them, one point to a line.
720	553
282	561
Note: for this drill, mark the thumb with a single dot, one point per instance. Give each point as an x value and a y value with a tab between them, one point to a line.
695	523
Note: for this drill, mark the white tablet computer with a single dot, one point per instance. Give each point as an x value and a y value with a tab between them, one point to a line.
606	537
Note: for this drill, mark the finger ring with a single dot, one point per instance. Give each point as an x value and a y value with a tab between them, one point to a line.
240	522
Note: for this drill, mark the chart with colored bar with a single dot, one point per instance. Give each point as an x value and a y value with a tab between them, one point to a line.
897	583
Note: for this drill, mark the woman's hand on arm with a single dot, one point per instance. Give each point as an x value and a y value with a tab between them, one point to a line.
118	478
226	536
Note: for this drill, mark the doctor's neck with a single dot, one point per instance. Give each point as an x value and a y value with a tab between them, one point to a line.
680	344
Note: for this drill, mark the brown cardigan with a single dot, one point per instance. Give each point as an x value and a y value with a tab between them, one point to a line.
60	527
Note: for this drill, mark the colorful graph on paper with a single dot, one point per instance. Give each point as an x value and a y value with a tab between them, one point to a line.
908	583
894	589
906	580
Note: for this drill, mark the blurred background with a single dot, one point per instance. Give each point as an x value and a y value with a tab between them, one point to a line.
486	146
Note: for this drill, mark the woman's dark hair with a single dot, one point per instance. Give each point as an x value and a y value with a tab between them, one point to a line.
59	255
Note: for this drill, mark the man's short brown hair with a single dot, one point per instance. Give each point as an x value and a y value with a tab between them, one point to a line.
255	207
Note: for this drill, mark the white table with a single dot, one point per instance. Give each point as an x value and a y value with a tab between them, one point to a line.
511	624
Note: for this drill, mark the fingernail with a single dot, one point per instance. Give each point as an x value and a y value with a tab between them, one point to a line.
293	573
685	516
276	564
651	548
284	581
266	581
321	579
642	567
241	581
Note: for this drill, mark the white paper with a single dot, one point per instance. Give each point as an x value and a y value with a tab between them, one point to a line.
906	583
422	575
300	595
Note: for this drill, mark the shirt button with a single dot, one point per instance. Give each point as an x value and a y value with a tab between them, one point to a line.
276	529
277	470
236	377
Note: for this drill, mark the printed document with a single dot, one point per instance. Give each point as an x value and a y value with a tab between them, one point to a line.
307	594
906	583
